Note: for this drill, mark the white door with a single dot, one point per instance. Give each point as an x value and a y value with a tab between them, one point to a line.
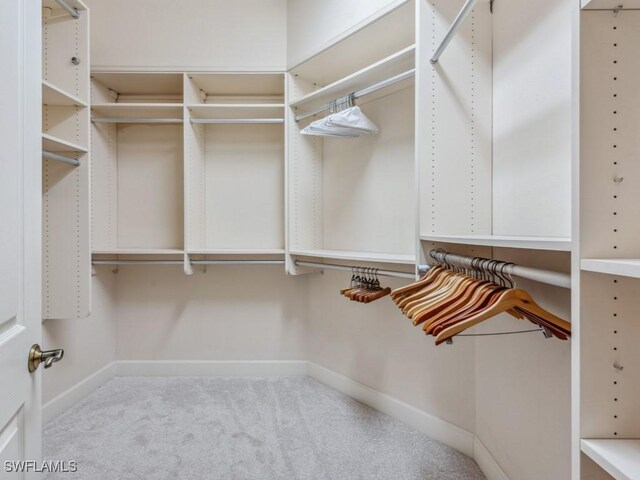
20	233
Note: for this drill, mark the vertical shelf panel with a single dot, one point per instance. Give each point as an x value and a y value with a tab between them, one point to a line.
66	189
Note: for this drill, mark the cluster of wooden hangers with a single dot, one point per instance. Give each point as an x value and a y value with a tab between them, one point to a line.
365	286
447	302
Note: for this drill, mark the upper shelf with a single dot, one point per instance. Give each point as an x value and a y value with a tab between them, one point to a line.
53	95
610	4
392	31
622	267
137	110
237	110
619	458
149	85
376	257
399	62
58	145
533	243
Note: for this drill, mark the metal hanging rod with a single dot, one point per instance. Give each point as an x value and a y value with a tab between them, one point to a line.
348	268
70	10
361	93
192	262
60	158
136	120
237	120
543	276
455	26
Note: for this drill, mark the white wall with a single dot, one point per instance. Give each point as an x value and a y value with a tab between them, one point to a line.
89	343
313	25
227	313
523	383
188	34
376	345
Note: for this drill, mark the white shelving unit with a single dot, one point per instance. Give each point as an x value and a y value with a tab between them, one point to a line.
66	187
354	199
213	190
619	458
609	261
234	151
125	152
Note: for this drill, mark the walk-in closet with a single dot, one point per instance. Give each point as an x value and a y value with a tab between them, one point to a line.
320	239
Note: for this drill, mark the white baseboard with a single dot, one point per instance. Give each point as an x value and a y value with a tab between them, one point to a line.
486	462
445	432
189	368
422	421
80	390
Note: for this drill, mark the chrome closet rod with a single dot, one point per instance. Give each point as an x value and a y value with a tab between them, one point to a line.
348	268
361	93
543	276
71	11
136	120
60	158
193	262
455	26
237	120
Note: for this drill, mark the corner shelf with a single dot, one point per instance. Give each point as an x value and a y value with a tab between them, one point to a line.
55	144
399	62
623	267
561	244
53	95
396	258
619	458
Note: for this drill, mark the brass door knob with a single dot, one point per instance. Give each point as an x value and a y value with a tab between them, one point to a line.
48	357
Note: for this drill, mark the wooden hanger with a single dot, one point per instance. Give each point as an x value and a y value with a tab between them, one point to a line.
507	300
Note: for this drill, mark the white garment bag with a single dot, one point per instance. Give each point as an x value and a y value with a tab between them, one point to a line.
348	122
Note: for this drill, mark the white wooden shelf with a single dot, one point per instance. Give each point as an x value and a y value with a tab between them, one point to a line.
53	95
237	110
57	145
399	62
624	267
532	243
139	251
610	4
619	458
137	110
233	251
397	258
